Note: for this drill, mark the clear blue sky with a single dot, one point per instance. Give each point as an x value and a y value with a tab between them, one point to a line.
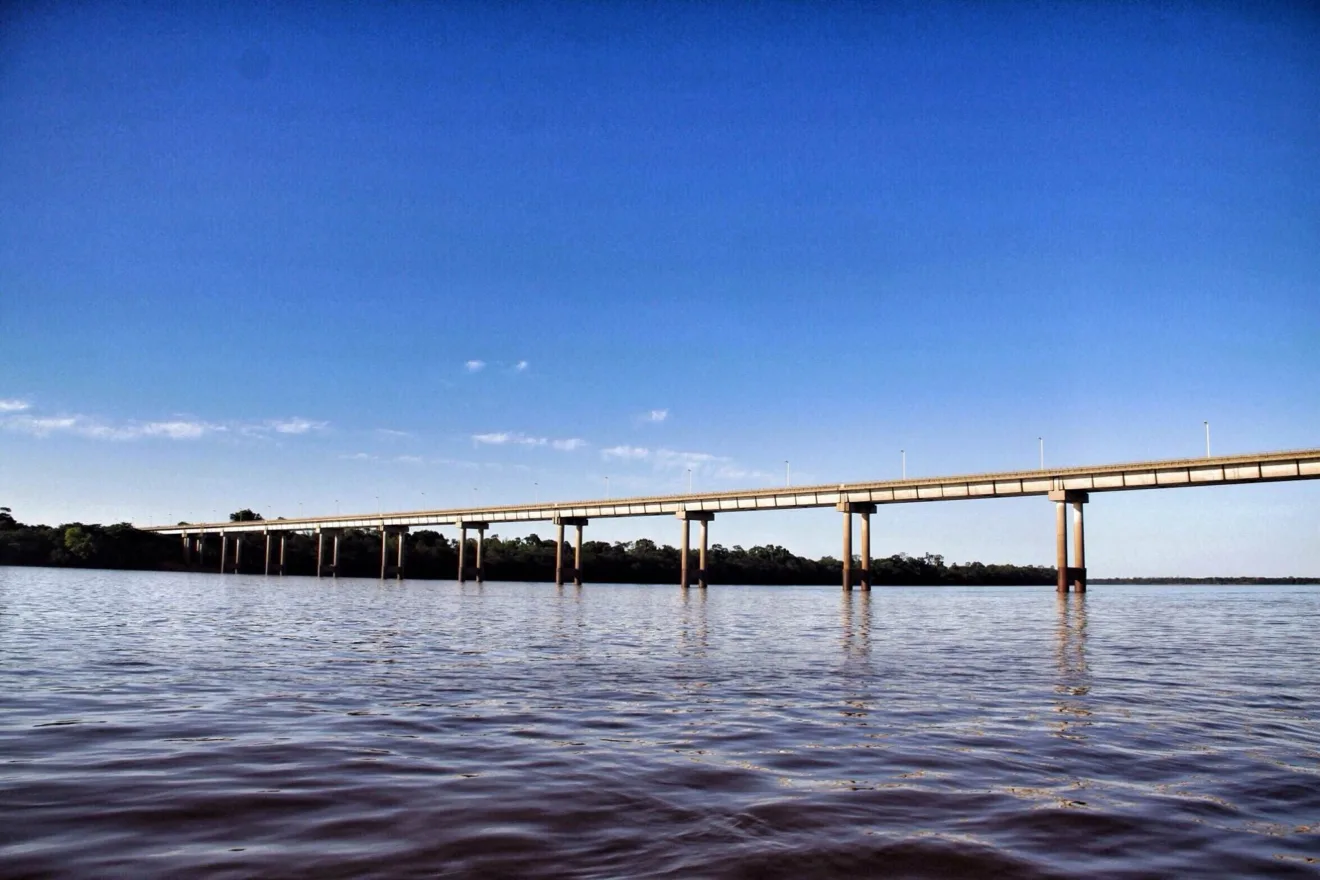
294	256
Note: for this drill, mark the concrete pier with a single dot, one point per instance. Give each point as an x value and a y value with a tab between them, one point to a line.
477	571
284	545
685	554
1074	576
401	533
576	571
863	577
321	568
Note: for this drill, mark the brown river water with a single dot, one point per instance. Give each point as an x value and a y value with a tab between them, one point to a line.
190	725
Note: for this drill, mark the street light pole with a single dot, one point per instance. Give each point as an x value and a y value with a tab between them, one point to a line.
1042	452
903	453
689	481
788	481
1207	439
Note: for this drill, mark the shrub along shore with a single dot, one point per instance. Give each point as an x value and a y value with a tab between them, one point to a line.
431	555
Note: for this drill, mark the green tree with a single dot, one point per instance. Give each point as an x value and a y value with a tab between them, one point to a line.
80	543
247	514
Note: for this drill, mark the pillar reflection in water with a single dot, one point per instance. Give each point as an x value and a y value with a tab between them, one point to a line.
1074	684
856	639
694	633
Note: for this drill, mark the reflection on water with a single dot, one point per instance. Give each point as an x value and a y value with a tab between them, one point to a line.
192	725
1074	679
856	624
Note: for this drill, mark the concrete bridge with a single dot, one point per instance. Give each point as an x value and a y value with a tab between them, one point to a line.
1062	486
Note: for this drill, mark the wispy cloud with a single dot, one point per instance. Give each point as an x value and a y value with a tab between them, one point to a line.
521	367
179	428
295	425
97	429
654	416
392	434
669	458
474	366
358	456
517	438
626	453
13	405
508	438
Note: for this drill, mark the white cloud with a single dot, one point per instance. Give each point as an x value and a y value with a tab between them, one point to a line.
521	367
390	432
179	428
627	453
493	439
85	426
474	366
669	458
358	456
656	415
505	438
568	445
295	425
408	459
13	405
176	430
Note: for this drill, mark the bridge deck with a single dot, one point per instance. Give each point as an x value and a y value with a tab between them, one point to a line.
1222	470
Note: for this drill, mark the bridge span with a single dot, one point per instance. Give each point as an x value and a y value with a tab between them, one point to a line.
1063	486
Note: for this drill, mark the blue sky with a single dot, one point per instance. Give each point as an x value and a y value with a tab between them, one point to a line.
305	256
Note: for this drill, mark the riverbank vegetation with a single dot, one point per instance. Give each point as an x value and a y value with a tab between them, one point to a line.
430	555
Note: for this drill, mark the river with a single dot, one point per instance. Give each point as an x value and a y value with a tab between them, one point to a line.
164	725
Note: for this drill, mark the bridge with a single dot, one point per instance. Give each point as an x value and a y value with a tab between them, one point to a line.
1069	486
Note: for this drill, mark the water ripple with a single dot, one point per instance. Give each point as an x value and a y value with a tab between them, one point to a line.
166	725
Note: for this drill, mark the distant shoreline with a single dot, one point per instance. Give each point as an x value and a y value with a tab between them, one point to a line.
431	556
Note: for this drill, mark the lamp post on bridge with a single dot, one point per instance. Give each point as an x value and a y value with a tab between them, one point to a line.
1042	452
787	476
1207	439
903	454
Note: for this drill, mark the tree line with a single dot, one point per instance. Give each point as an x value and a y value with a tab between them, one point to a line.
430	554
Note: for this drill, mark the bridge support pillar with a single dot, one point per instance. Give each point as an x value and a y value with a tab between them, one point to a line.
863	577
1074	576
576	571
201	549
385	568
238	553
187	550
224	551
478	571
268	543
685	554
321	568
284	545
